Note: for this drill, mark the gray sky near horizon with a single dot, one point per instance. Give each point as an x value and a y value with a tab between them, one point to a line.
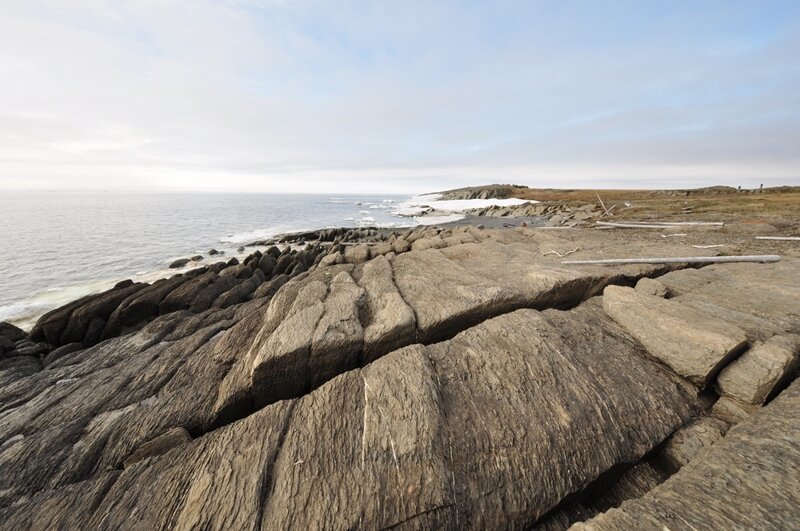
249	95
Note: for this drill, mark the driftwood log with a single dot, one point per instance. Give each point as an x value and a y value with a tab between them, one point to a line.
658	224
679	260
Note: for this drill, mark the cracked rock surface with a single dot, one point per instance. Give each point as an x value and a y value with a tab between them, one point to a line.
477	383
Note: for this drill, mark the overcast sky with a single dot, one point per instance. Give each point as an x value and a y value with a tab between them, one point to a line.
397	96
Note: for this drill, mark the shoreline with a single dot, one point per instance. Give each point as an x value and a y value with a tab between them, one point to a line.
408	361
33	307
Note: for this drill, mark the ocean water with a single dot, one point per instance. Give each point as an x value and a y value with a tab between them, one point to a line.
59	246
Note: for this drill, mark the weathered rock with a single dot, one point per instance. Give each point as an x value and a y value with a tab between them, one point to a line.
756	374
268	289
693	344
357	254
140	307
181	297
6	345
50	326
732	411
421	244
401	245
649	286
381	249
391	321
238	293
740	483
94	331
11	332
331	259
207	295
181	262
98	307
62	352
31	349
763	300
159	445
267	264
490	417
283	263
686	443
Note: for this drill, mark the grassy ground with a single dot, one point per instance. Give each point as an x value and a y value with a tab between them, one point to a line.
772	205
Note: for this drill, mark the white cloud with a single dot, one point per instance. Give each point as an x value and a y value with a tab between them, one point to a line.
307	96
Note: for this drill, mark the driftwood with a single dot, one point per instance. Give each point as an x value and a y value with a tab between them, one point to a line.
575	250
681	260
602	204
708	246
784	238
655	224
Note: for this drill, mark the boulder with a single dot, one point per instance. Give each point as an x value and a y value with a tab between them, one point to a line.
732	411
760	371
6	345
381	249
239	293
268	289
99	307
11	332
141	306
693	344
283	263
181	262
181	297
208	294
401	245
421	244
331	259
687	442
357	254
267	264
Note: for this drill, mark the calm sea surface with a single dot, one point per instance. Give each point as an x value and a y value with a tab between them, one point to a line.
62	245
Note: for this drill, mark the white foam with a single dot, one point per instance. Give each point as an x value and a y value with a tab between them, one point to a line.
436	220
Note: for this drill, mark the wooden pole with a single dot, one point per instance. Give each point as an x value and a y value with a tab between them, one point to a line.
682	260
655	224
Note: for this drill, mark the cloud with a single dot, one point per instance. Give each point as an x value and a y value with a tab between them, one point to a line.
306	95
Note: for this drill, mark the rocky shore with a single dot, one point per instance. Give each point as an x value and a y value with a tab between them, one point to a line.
439	377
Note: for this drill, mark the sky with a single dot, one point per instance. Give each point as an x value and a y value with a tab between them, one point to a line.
403	96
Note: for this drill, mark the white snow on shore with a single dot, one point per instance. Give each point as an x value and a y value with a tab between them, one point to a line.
418	204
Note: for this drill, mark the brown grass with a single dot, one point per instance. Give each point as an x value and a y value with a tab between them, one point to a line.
711	204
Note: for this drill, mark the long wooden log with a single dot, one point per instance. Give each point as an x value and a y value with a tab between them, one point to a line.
680	260
784	238
658	224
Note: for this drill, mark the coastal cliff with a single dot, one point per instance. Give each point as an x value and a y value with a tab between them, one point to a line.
429	378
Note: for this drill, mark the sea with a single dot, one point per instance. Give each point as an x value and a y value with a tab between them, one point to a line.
59	246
